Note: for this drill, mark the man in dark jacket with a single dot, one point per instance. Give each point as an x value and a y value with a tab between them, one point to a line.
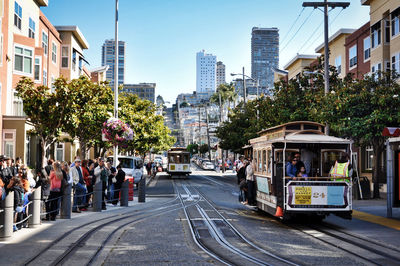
120	178
6	172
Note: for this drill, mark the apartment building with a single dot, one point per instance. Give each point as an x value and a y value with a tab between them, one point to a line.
72	59
98	74
385	34
358	52
337	51
145	91
298	64
4	59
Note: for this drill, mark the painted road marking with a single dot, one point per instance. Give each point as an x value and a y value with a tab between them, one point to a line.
391	223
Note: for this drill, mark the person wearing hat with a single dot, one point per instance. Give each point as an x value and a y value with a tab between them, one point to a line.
101	174
79	186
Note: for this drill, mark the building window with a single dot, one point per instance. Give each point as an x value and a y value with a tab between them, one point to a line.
338	64
376	70
369	158
37	68
376	35
396	63
396	22
353	56
54	53
59	156
53	88
31	28
64	56
9	142
17	15
73	60
44	77
23	60
45	43
367	48
18	107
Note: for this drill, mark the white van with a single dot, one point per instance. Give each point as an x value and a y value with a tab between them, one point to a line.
132	166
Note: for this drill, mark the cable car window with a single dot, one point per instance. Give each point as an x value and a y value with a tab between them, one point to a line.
310	127
293	127
186	158
171	159
255	160
264	160
259	162
269	160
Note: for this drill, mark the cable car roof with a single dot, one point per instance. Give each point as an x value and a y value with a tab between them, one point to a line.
311	138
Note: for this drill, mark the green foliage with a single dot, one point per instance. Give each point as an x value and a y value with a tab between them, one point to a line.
193	148
203	148
149	129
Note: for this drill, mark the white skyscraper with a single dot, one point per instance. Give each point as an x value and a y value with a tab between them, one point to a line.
205	72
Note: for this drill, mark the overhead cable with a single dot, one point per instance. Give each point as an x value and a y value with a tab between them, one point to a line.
297	31
291	27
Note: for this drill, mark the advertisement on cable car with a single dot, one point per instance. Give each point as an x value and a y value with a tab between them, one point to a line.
306	195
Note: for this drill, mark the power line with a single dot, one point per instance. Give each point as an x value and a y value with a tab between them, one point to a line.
310	44
297	31
291	27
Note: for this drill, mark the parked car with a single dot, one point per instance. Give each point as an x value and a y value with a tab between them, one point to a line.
132	166
207	165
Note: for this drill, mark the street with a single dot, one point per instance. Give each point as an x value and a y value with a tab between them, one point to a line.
220	231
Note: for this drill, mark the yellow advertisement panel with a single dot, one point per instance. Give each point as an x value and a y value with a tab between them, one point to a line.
302	195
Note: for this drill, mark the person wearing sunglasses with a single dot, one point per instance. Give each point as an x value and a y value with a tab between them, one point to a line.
291	168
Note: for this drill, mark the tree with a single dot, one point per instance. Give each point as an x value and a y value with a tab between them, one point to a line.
193	148
361	110
92	105
203	148
149	129
47	111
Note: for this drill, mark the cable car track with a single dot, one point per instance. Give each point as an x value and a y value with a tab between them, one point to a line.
241	250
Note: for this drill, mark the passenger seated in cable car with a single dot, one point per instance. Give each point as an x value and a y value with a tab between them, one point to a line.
302	173
291	169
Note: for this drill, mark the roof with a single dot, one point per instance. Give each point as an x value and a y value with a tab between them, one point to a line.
100	69
391	132
300	56
311	138
291	123
280	71
77	34
42	2
334	37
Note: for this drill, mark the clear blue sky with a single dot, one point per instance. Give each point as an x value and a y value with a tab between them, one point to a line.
163	36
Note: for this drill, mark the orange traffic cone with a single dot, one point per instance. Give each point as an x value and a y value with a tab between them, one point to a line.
279	212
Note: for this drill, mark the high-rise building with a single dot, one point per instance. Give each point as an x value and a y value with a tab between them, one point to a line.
264	56
145	91
220	73
108	58
205	72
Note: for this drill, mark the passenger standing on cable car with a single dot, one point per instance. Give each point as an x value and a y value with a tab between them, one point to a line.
250	183
299	163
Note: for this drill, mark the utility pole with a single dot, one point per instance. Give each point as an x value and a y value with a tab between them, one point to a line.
220	123
208	135
326	5
244	88
116	76
198	148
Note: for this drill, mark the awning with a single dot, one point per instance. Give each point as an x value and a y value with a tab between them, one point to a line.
391	132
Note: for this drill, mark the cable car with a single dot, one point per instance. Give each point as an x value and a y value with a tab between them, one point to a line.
318	194
178	162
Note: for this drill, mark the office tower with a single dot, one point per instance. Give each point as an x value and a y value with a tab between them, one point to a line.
205	72
108	58
264	56
220	73
145	91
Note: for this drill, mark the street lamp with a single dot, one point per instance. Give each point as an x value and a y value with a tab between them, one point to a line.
244	84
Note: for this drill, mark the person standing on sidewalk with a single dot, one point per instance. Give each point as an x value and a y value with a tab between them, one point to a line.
101	174
79	185
56	176
120	178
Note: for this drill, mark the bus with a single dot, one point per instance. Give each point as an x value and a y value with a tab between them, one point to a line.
317	195
178	162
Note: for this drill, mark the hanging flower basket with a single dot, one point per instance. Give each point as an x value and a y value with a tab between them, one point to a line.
117	132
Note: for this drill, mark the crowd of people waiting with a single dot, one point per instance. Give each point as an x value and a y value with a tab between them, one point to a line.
53	179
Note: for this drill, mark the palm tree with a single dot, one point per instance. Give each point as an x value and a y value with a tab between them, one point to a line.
227	92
